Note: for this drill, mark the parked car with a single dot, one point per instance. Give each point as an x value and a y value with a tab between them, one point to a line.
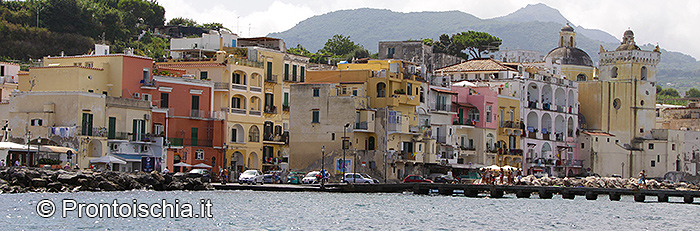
416	179
271	178
351	178
447	179
251	177
203	174
311	177
295	177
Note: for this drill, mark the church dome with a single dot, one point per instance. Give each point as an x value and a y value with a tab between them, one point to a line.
569	56
567	28
628	42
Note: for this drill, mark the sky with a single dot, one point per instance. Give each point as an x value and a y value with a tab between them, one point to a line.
669	23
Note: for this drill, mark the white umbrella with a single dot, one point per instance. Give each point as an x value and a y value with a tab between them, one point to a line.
201	165
108	159
464	84
182	164
492	167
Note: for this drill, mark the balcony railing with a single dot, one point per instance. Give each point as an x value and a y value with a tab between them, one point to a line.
468	148
149	83
271	79
245	62
181	142
255	113
510	124
575	163
532	105
442	139
285	107
255	89
97	132
442	107
270	109
463	122
222	85
199	113
361	125
559	136
238	111
239	87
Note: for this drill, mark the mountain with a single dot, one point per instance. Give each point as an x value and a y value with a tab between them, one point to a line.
534	27
543	13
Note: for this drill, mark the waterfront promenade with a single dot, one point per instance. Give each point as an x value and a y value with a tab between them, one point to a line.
475	190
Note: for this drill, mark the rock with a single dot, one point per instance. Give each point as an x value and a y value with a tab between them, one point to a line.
68	178
55	185
107	186
39	182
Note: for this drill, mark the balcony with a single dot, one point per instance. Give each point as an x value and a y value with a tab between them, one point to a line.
239	87
574	163
442	139
96	132
468	148
510	124
221	86
275	138
532	105
465	122
255	89
361	125
257	113
559	136
150	84
245	62
270	109
181	142
271	79
120	136
239	111
442	107
532	135
285	107
545	136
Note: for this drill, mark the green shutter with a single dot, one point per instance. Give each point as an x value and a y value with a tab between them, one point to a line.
286	71
134	130
194	135
112	129
286	99
302	75
269	70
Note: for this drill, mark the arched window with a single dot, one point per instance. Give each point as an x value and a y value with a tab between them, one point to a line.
238	78
254	134
643	75
381	90
581	77
613	72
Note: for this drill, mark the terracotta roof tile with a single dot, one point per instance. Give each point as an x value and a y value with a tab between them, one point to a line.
477	65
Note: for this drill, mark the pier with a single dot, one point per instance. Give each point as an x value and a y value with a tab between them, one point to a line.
473	190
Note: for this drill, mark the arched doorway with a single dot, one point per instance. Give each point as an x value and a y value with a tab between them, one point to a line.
237	162
370	143
176	159
253	161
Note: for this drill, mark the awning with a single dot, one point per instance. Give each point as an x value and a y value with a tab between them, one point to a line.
130	157
201	165
467	166
15	146
56	149
182	164
108	159
444	91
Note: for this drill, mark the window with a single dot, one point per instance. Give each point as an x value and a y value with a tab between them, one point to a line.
473	115
332	136
643	74
673	147
316	92
294	73
158	129
651	146
613	72
286	99
581	77
583	145
236	102
354	92
146	75
112	128
37	122
199	154
409	89
303	74
269	71
203	75
314	116
345	91
286	71
138	129
86	124
381	90
254	134
234	135
488	113
617	103
237	78
194	135
2	70
653	163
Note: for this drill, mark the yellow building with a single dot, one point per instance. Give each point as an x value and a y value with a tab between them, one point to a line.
622	103
510	151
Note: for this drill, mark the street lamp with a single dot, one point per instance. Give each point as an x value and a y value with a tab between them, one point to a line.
345	128
323	167
38	150
354	166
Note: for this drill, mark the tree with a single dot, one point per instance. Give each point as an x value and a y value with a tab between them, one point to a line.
476	43
670	92
692	93
339	45
358	53
214	26
658	89
180	21
299	50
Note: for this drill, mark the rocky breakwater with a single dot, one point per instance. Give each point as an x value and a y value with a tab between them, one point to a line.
606	182
23	179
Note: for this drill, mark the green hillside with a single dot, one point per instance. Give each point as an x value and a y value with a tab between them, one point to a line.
369	26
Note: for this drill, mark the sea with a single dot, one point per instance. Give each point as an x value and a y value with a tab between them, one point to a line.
256	210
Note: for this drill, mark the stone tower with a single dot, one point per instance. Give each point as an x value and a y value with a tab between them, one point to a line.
628	75
568	60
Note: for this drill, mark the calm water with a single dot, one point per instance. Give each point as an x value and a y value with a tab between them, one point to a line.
248	210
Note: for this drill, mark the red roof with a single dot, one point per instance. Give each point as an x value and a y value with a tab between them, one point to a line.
91	68
444	91
599	133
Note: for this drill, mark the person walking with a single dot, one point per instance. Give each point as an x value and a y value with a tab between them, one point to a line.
642	179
